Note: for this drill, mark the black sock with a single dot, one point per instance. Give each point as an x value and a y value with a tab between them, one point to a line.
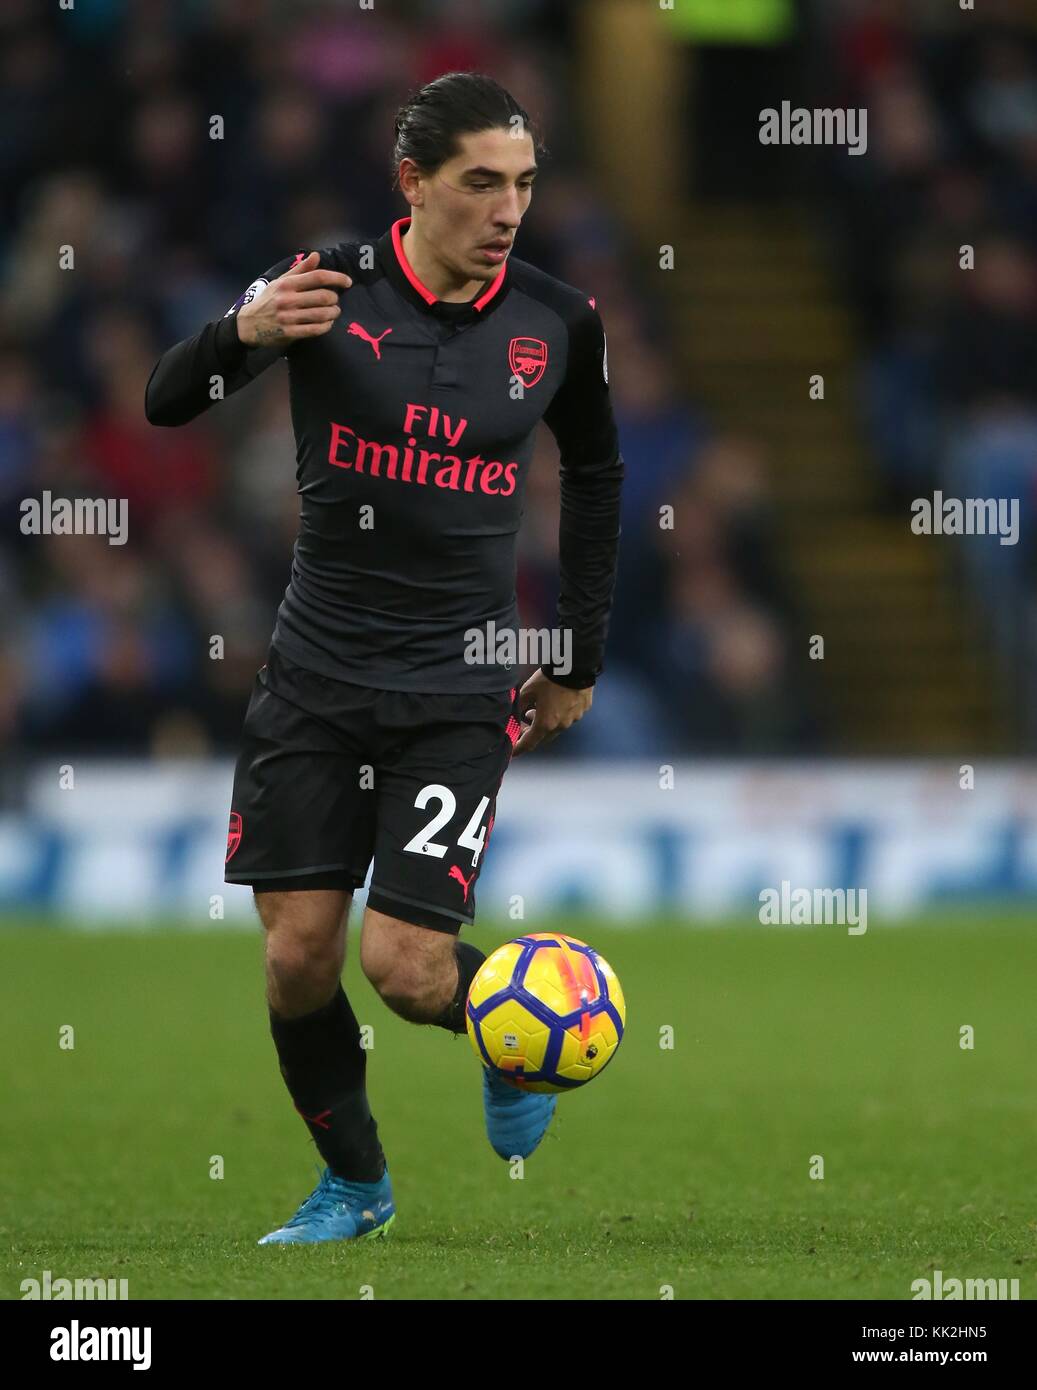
324	1066
468	958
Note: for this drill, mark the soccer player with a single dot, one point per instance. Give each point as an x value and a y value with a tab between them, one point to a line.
418	368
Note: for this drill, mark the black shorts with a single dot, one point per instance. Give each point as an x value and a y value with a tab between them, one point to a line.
331	774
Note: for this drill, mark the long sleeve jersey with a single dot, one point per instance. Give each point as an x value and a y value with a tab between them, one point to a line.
414	422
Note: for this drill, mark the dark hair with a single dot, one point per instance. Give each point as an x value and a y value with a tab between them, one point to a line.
429	122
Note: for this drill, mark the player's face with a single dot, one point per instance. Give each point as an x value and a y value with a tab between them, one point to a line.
475	201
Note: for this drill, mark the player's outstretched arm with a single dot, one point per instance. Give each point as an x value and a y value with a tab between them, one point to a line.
293	300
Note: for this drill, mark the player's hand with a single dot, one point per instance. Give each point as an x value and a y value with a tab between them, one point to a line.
301	303
554	707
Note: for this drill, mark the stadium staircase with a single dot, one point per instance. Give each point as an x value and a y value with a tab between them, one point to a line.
757	312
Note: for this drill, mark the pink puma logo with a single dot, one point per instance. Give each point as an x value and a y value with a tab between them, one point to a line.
360	331
455	872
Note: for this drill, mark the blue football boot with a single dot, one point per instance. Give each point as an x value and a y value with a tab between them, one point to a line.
516	1120
339	1210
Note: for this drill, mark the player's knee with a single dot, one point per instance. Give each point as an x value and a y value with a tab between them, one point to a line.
305	940
405	995
409	966
391	974
310	961
400	986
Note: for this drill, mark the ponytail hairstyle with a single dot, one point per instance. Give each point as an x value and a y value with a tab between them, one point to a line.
430	121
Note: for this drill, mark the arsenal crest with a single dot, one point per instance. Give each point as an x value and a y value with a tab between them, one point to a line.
233	835
527	358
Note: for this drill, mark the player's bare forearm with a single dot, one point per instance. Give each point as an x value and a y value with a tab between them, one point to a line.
554	707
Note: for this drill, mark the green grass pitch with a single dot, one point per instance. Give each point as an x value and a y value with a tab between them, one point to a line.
686	1167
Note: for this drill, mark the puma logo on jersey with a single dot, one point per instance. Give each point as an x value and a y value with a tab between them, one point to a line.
455	872
360	331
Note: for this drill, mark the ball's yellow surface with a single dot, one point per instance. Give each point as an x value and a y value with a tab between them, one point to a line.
546	1011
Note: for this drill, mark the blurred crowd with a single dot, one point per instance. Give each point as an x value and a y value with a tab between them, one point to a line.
106	111
938	230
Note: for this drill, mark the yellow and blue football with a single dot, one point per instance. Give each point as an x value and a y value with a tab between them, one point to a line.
546	1012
